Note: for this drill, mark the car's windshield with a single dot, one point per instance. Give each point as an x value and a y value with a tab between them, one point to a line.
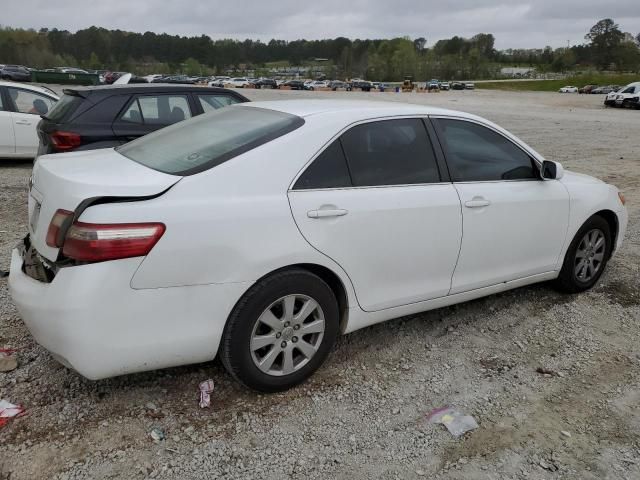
208	140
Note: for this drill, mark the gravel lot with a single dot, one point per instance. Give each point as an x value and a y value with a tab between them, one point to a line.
362	415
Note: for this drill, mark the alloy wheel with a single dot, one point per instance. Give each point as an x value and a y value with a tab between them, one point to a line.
589	255
287	335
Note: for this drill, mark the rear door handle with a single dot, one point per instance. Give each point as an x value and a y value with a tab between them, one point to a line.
338	212
23	122
477	202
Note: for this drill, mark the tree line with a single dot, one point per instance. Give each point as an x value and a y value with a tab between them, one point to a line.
606	47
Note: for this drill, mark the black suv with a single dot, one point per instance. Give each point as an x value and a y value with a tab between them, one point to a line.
87	118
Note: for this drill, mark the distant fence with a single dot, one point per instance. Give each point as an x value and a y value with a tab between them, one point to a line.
65	78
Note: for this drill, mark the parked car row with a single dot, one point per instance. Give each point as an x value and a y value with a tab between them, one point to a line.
628	96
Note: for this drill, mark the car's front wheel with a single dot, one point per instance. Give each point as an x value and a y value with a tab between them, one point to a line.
281	331
586	257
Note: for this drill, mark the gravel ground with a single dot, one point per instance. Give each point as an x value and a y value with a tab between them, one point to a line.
362	415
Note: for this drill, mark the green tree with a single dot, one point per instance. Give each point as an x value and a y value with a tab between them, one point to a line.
605	37
192	66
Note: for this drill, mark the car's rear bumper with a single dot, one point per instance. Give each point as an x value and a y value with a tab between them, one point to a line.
91	319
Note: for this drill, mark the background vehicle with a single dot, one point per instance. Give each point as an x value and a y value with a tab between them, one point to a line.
363	85
111	77
239	82
266	83
70	70
433	84
178	79
317	84
568	89
294	84
336	84
628	96
444	86
587	89
88	118
469	86
20	108
343	237
457	86
16	73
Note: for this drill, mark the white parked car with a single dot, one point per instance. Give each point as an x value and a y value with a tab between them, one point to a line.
20	108
568	89
260	232
239	82
628	96
317	84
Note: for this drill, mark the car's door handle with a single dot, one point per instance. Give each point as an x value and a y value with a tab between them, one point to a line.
338	212
477	202
23	122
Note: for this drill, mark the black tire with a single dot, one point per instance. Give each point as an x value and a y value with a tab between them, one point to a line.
235	351
568	280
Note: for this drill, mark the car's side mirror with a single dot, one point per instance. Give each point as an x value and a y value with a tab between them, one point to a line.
551	170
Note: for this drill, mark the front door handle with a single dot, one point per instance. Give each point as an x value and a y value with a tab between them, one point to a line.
338	212
23	122
477	202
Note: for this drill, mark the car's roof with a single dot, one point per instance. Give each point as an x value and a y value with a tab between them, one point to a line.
366	108
143	88
27	86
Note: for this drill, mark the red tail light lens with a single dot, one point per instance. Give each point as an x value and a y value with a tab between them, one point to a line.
54	238
64	141
92	242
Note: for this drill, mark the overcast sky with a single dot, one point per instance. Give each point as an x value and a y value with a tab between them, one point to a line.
514	23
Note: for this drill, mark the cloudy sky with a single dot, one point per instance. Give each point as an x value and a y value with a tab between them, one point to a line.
515	23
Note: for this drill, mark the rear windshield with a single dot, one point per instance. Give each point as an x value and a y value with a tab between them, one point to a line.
64	108
206	141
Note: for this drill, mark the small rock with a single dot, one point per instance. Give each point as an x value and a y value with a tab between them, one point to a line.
157	434
420	473
8	362
565	433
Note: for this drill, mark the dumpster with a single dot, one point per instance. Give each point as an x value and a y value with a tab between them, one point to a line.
65	78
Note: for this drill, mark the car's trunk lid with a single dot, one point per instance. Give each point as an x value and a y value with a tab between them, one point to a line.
72	181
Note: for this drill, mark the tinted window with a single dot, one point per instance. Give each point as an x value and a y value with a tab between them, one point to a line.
1	105
30	102
209	103
390	152
157	110
64	108
209	140
476	153
328	170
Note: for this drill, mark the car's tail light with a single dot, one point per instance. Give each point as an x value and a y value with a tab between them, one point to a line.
54	239
64	141
93	242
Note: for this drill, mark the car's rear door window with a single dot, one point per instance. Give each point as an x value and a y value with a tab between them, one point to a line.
390	152
211	102
328	170
64	108
157	110
206	141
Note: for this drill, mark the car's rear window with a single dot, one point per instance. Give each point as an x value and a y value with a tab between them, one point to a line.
206	141
64	108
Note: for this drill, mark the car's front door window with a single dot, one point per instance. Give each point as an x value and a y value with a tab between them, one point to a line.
30	102
476	153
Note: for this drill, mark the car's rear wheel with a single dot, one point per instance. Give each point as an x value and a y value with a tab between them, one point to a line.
586	257
281	331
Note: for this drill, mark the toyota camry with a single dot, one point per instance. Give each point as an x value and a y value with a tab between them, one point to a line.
260	232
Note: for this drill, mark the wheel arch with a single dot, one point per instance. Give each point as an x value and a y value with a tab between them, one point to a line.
612	219
329	277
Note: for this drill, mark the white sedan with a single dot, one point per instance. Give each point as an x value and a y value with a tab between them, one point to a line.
568	89
261	231
20	108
